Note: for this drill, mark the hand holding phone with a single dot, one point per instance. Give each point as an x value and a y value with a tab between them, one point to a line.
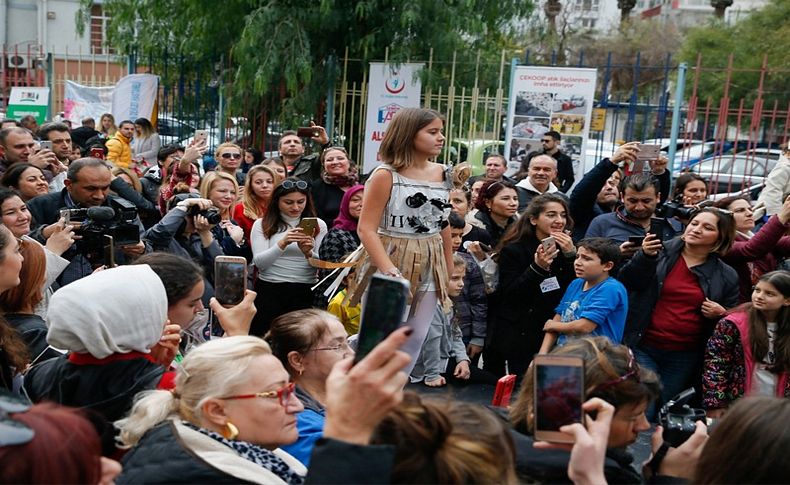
45	145
383	311
308	132
309	225
636	240
230	279
549	244
200	137
559	394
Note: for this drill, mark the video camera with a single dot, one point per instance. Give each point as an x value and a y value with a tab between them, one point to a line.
678	418
118	220
676	208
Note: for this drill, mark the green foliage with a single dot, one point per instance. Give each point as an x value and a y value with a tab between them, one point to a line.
765	32
279	49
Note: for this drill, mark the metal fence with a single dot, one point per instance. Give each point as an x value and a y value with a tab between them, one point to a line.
469	89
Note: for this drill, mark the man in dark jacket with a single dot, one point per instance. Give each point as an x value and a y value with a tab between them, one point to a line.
551	147
85	132
305	167
87	185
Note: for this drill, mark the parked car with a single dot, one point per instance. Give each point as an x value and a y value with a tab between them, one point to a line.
733	174
171	129
475	152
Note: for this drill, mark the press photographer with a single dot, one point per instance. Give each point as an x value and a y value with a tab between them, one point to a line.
88	182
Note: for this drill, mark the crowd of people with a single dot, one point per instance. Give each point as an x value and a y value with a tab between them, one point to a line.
119	364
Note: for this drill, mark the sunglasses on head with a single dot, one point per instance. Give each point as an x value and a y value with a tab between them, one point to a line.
235	156
299	184
632	373
13	432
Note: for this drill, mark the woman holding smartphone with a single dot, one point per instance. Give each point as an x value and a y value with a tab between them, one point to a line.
403	225
282	242
532	279
677	292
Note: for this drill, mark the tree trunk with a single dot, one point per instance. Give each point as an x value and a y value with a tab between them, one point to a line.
552	9
625	6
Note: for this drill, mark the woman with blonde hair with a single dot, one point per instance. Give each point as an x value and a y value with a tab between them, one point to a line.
146	143
221	189
258	189
233	406
107	125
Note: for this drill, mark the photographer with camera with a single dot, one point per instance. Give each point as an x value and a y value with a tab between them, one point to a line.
186	230
96	213
677	290
640	195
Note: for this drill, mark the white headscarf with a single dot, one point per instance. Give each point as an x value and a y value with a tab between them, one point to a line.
114	311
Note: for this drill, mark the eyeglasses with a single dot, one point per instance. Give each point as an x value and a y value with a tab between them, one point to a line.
633	372
342	347
283	394
13	432
299	184
235	156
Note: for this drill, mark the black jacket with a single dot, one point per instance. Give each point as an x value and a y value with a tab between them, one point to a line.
644	277
565	174
160	457
326	199
494	230
519	309
33	331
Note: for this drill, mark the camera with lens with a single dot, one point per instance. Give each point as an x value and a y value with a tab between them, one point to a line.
678	418
212	214
118	219
675	208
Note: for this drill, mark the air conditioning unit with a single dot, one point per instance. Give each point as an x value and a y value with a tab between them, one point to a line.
15	60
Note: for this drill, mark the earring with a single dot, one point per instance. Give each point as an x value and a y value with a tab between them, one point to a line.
230	432
301	371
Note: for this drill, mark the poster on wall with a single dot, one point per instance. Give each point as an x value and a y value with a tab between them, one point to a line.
135	97
80	102
546	99
391	87
25	101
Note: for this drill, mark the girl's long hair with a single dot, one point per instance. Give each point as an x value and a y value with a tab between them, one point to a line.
758	332
524	228
272	222
254	207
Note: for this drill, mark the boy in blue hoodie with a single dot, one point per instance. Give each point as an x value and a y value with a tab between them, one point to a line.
594	304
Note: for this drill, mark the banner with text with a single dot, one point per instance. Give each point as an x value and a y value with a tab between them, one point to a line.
135	97
546	99
80	102
390	88
24	101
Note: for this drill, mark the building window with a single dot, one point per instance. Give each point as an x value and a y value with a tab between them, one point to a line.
98	31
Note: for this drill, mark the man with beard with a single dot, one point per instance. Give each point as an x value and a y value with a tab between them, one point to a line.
640	195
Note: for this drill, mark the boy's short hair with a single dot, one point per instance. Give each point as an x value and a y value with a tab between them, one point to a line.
458	261
606	249
456	221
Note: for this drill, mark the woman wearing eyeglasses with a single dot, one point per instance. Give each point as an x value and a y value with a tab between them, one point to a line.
281	250
610	373
338	174
308	343
678	290
234	406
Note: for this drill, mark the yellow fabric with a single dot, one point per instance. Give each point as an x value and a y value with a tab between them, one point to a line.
119	151
347	314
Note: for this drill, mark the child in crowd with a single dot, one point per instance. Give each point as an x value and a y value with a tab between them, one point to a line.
471	305
594	304
443	348
347	313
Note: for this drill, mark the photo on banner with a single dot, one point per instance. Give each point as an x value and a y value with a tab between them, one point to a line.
544	99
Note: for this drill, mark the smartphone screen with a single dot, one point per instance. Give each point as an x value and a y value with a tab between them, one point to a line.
657	227
109	251
307	132
559	395
230	279
383	311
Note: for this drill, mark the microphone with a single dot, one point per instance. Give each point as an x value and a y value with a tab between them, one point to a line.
101	213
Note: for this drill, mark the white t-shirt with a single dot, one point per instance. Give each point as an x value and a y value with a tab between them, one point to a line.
763	380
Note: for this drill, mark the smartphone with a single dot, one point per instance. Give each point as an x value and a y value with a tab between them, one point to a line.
636	240
65	214
657	227
548	244
45	145
559	395
109	251
648	152
200	136
309	225
97	153
503	391
230	279
308	132
383	311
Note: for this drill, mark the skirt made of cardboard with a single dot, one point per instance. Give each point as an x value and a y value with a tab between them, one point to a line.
420	260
